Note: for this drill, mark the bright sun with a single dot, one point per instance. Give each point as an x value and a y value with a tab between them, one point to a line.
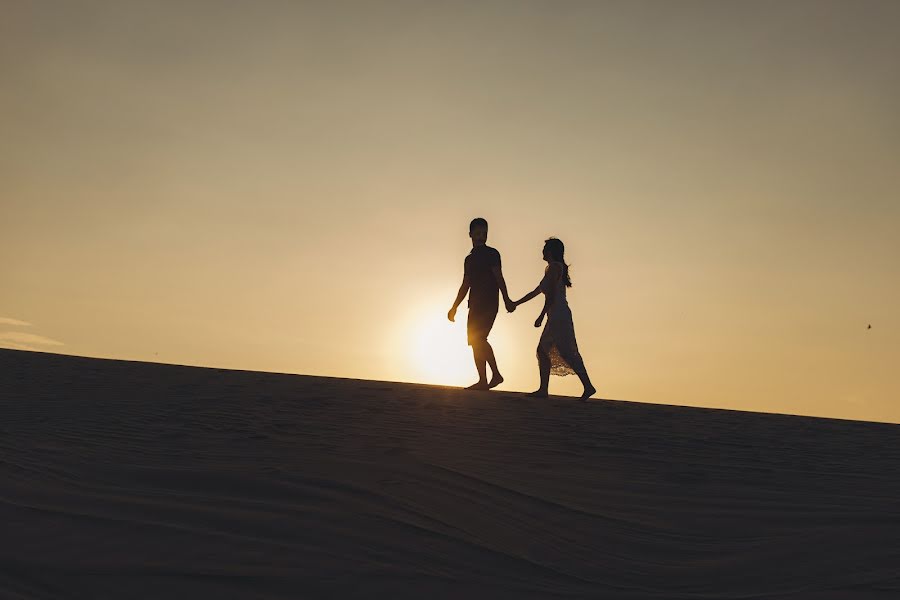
439	351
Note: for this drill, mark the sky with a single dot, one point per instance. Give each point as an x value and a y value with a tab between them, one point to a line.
287	186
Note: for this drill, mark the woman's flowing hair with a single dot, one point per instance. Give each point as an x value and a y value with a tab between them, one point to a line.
557	249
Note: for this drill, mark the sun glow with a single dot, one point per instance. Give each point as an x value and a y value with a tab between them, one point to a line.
439	353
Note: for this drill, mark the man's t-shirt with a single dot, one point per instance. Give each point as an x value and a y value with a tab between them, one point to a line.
484	291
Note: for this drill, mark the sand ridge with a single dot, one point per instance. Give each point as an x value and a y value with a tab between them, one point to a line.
124	479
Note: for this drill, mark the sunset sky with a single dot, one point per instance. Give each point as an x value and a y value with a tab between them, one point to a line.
287	186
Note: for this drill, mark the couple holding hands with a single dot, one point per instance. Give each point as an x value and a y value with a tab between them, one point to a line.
557	351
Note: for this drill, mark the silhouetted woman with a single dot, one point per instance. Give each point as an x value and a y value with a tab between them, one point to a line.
557	352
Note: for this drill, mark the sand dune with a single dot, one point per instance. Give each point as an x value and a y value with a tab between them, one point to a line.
136	480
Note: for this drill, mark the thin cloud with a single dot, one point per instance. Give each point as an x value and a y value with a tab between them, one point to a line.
29	339
13	322
15	346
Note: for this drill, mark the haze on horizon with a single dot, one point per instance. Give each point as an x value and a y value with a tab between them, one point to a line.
287	187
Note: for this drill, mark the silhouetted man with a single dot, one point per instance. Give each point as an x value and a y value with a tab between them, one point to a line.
482	280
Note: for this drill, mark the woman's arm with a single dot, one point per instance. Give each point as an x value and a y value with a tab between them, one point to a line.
529	296
548	300
549	286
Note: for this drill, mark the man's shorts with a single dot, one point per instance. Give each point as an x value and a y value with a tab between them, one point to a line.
481	319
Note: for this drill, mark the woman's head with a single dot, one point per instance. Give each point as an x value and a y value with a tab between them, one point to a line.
554	251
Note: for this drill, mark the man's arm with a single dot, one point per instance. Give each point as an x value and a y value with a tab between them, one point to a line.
463	290
498	275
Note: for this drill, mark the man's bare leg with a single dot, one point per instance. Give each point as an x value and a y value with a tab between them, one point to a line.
478	354
497	378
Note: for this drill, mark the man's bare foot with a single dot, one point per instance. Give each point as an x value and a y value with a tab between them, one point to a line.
481	385
588	392
539	394
495	381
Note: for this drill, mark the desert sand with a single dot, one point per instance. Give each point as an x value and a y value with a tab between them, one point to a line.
138	480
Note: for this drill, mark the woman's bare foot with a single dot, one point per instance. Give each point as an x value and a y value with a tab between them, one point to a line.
588	392
481	385
495	381
539	394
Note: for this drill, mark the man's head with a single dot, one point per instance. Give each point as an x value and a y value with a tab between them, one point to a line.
478	230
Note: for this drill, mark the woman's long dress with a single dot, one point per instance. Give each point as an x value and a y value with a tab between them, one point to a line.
558	338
